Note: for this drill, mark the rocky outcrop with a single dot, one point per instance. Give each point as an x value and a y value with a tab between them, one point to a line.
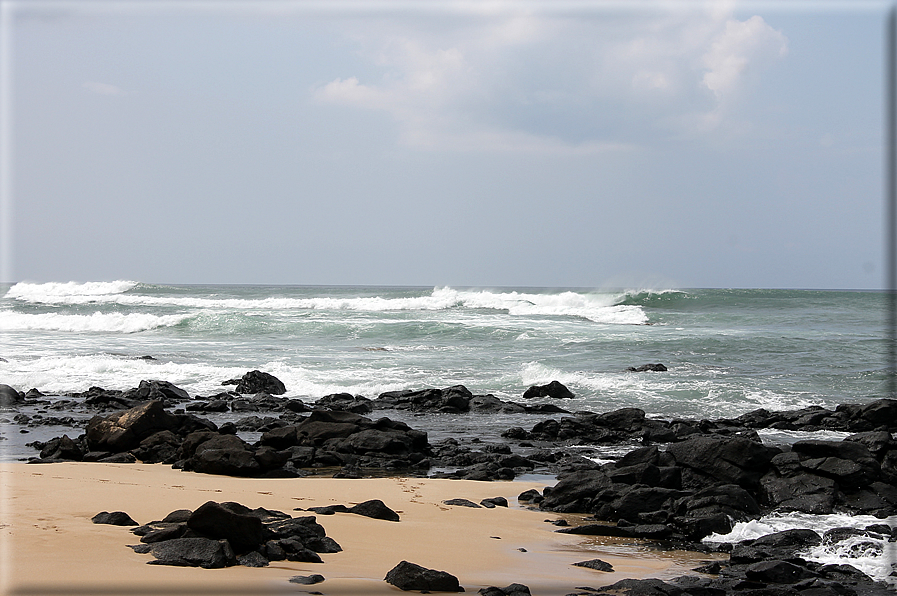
706	483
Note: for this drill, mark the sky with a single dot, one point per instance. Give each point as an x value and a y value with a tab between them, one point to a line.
490	143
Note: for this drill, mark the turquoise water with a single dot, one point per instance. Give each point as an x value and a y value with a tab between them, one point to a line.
728	351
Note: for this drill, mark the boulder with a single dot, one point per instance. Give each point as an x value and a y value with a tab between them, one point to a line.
492	502
193	552
461	503
648	368
227	455
123	431
156	390
256	381
307	580
215	520
114	518
554	389
409	576
376	509
723	460
9	396
596	564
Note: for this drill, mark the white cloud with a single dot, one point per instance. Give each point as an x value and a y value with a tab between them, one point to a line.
739	45
501	80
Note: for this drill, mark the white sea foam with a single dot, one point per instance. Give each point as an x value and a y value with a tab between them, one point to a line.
96	322
875	562
600	308
49	292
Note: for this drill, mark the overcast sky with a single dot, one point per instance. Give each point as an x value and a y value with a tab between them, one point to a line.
586	144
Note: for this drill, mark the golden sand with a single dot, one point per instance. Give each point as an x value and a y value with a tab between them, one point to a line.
50	546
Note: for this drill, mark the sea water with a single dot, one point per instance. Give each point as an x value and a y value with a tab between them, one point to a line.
728	351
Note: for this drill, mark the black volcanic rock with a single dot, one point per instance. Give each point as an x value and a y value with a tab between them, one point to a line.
193	552
376	509
554	389
9	396
256	381
596	564
115	518
122	431
409	576
658	367
216	520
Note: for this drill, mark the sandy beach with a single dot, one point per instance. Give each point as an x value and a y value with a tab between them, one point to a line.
50	545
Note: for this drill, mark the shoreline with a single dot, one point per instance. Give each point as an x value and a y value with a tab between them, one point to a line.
49	544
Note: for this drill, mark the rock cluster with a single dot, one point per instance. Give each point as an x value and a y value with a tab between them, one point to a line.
770	565
706	483
227	534
151	434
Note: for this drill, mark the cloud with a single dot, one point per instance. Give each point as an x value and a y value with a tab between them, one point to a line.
739	45
102	88
525	80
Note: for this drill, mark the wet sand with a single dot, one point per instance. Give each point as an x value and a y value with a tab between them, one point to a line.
50	546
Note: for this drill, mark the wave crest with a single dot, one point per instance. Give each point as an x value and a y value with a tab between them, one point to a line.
54	291
96	322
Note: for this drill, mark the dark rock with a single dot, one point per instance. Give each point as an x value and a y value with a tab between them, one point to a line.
345	402
329	509
115	518
376	509
643	587
777	572
259	382
554	389
648	368
9	396
215	520
596	564
725	460
492	502
512	590
597	530
122	431
574	491
461	503
530	496
193	552
408	576
307	580
252	559
156	390
62	448
221	454
808	493
451	400
163	532
489	404
178	516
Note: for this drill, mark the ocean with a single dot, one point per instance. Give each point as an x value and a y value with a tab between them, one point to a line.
728	351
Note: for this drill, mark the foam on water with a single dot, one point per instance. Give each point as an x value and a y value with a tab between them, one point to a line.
96	322
872	556
600	308
49	292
